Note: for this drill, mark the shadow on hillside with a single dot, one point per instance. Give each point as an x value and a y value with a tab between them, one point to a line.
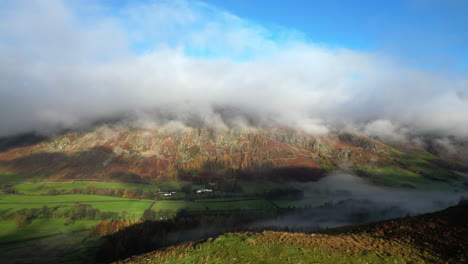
22	140
152	235
443	232
84	165
102	163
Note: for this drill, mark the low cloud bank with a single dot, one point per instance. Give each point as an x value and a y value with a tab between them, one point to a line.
66	64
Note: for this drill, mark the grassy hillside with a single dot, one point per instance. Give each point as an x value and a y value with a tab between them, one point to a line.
431	238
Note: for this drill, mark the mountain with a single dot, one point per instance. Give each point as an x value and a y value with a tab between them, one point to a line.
122	153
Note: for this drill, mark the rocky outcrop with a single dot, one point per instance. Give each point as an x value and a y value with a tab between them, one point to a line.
113	151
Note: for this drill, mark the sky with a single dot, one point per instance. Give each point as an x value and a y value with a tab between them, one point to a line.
387	68
425	33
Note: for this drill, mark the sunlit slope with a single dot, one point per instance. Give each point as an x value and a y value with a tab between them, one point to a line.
120	153
431	238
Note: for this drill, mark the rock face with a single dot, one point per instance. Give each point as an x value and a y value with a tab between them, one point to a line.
123	153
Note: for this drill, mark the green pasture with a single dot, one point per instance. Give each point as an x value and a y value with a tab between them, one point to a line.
177	205
425	167
15	207
121	206
40	228
213	204
127	208
45	187
398	177
47	199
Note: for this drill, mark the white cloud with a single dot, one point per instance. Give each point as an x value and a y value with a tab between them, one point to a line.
385	130
203	65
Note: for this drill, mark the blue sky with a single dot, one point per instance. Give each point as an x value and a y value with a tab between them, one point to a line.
429	34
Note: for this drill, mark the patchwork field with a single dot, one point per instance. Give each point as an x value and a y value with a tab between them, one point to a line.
46	187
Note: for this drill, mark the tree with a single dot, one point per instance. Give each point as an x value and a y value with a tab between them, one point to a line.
46	212
53	192
149	215
187	189
138	193
69	220
91	189
128	194
21	220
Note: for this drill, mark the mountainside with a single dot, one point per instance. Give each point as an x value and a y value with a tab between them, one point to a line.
141	155
430	238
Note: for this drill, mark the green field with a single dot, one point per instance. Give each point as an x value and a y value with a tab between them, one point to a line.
40	228
43	227
394	176
214	205
177	205
51	199
122	206
16	207
126	208
45	187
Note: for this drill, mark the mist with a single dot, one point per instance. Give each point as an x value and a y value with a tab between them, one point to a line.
68	64
346	199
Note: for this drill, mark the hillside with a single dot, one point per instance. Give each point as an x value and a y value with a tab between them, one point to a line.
118	153
429	238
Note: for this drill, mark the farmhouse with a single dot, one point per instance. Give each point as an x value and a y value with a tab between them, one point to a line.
204	190
163	193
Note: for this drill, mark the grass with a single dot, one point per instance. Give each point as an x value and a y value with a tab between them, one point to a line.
40	228
122	206
394	176
16	207
425	168
58	198
127	208
438	237
45	241
414	176
211	204
268	247
177	205
45	187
